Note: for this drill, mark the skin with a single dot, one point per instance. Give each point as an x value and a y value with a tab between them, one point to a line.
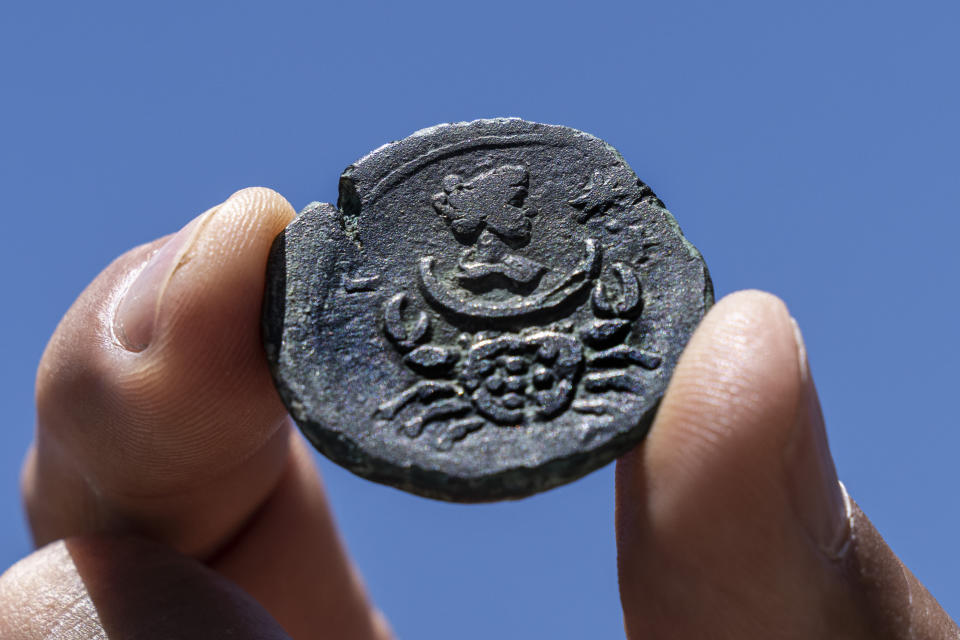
165	476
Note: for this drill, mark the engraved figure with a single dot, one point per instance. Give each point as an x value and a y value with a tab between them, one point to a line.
489	211
510	378
608	187
490	309
516	378
488	214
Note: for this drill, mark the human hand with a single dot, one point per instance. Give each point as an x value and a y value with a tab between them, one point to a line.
165	459
177	437
730	520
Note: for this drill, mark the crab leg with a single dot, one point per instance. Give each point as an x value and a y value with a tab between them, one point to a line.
443	409
623	356
458	431
421	391
613	381
596	407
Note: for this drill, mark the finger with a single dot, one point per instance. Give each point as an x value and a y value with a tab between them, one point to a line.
157	415
730	518
178	431
102	587
291	559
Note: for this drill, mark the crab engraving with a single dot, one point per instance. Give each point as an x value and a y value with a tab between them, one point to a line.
520	377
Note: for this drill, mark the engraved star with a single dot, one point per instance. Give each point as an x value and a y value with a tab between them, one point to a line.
605	188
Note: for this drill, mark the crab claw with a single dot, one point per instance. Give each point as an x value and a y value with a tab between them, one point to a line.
395	327
622	302
429	358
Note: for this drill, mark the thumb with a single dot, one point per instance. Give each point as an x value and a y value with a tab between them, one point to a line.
155	409
731	522
157	415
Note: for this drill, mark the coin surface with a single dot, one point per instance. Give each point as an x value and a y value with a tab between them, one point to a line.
493	308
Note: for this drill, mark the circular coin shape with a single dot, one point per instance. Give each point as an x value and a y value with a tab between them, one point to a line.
492	309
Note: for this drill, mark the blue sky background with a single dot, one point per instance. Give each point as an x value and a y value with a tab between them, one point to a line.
807	148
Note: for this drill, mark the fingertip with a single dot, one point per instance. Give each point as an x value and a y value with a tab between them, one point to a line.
705	506
712	452
739	369
190	408
725	356
207	317
737	374
211	303
731	518
237	231
749	311
247	221
198	405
